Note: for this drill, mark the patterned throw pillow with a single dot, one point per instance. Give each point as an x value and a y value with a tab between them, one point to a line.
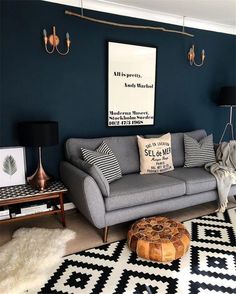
105	160
197	154
155	154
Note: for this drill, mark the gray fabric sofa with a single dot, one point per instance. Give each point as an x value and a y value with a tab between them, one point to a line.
134	195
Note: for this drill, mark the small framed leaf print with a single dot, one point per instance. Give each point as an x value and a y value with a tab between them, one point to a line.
12	166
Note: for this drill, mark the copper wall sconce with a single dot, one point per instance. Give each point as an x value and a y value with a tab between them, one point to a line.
54	41
191	56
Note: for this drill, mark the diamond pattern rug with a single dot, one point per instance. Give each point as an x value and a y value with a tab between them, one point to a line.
209	267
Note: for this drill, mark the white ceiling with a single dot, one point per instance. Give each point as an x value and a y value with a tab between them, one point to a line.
219	11
213	15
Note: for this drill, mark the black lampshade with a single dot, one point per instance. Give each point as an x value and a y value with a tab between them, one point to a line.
227	96
38	133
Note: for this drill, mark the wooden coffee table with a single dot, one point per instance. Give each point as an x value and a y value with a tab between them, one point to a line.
158	239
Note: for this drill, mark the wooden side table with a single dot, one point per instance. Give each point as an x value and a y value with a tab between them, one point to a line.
25	194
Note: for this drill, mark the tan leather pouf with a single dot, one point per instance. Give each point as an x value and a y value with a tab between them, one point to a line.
159	239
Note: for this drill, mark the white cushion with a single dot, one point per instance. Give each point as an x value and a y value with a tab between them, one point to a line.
155	154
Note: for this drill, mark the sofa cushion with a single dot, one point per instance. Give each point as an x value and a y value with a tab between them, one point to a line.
105	160
125	149
198	153
197	179
136	189
155	154
177	144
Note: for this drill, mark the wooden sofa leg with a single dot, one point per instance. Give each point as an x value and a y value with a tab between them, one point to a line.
105	234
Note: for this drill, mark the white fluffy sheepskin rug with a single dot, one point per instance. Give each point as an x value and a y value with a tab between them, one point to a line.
30	257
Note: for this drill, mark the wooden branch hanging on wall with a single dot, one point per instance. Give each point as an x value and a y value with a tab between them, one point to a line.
130	26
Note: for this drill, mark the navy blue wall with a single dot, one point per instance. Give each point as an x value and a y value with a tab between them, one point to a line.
73	89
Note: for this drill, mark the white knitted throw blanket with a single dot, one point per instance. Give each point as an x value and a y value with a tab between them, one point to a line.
224	171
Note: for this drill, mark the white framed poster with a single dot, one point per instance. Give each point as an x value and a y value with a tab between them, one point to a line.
131	84
12	166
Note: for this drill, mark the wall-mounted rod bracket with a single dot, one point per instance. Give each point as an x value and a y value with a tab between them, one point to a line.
129	26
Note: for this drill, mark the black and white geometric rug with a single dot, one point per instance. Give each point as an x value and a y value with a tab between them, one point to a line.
208	268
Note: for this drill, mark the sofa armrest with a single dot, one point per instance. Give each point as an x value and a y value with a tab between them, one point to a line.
85	193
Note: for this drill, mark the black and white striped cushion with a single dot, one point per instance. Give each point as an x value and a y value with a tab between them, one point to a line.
197	154
105	160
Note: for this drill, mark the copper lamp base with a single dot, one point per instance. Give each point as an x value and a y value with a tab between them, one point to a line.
39	180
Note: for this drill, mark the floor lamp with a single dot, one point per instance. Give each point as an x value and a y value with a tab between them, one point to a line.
228	99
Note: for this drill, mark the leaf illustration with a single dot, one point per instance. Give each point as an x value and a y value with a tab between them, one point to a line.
9	165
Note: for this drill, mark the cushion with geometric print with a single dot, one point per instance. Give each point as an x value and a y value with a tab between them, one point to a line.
105	160
197	154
